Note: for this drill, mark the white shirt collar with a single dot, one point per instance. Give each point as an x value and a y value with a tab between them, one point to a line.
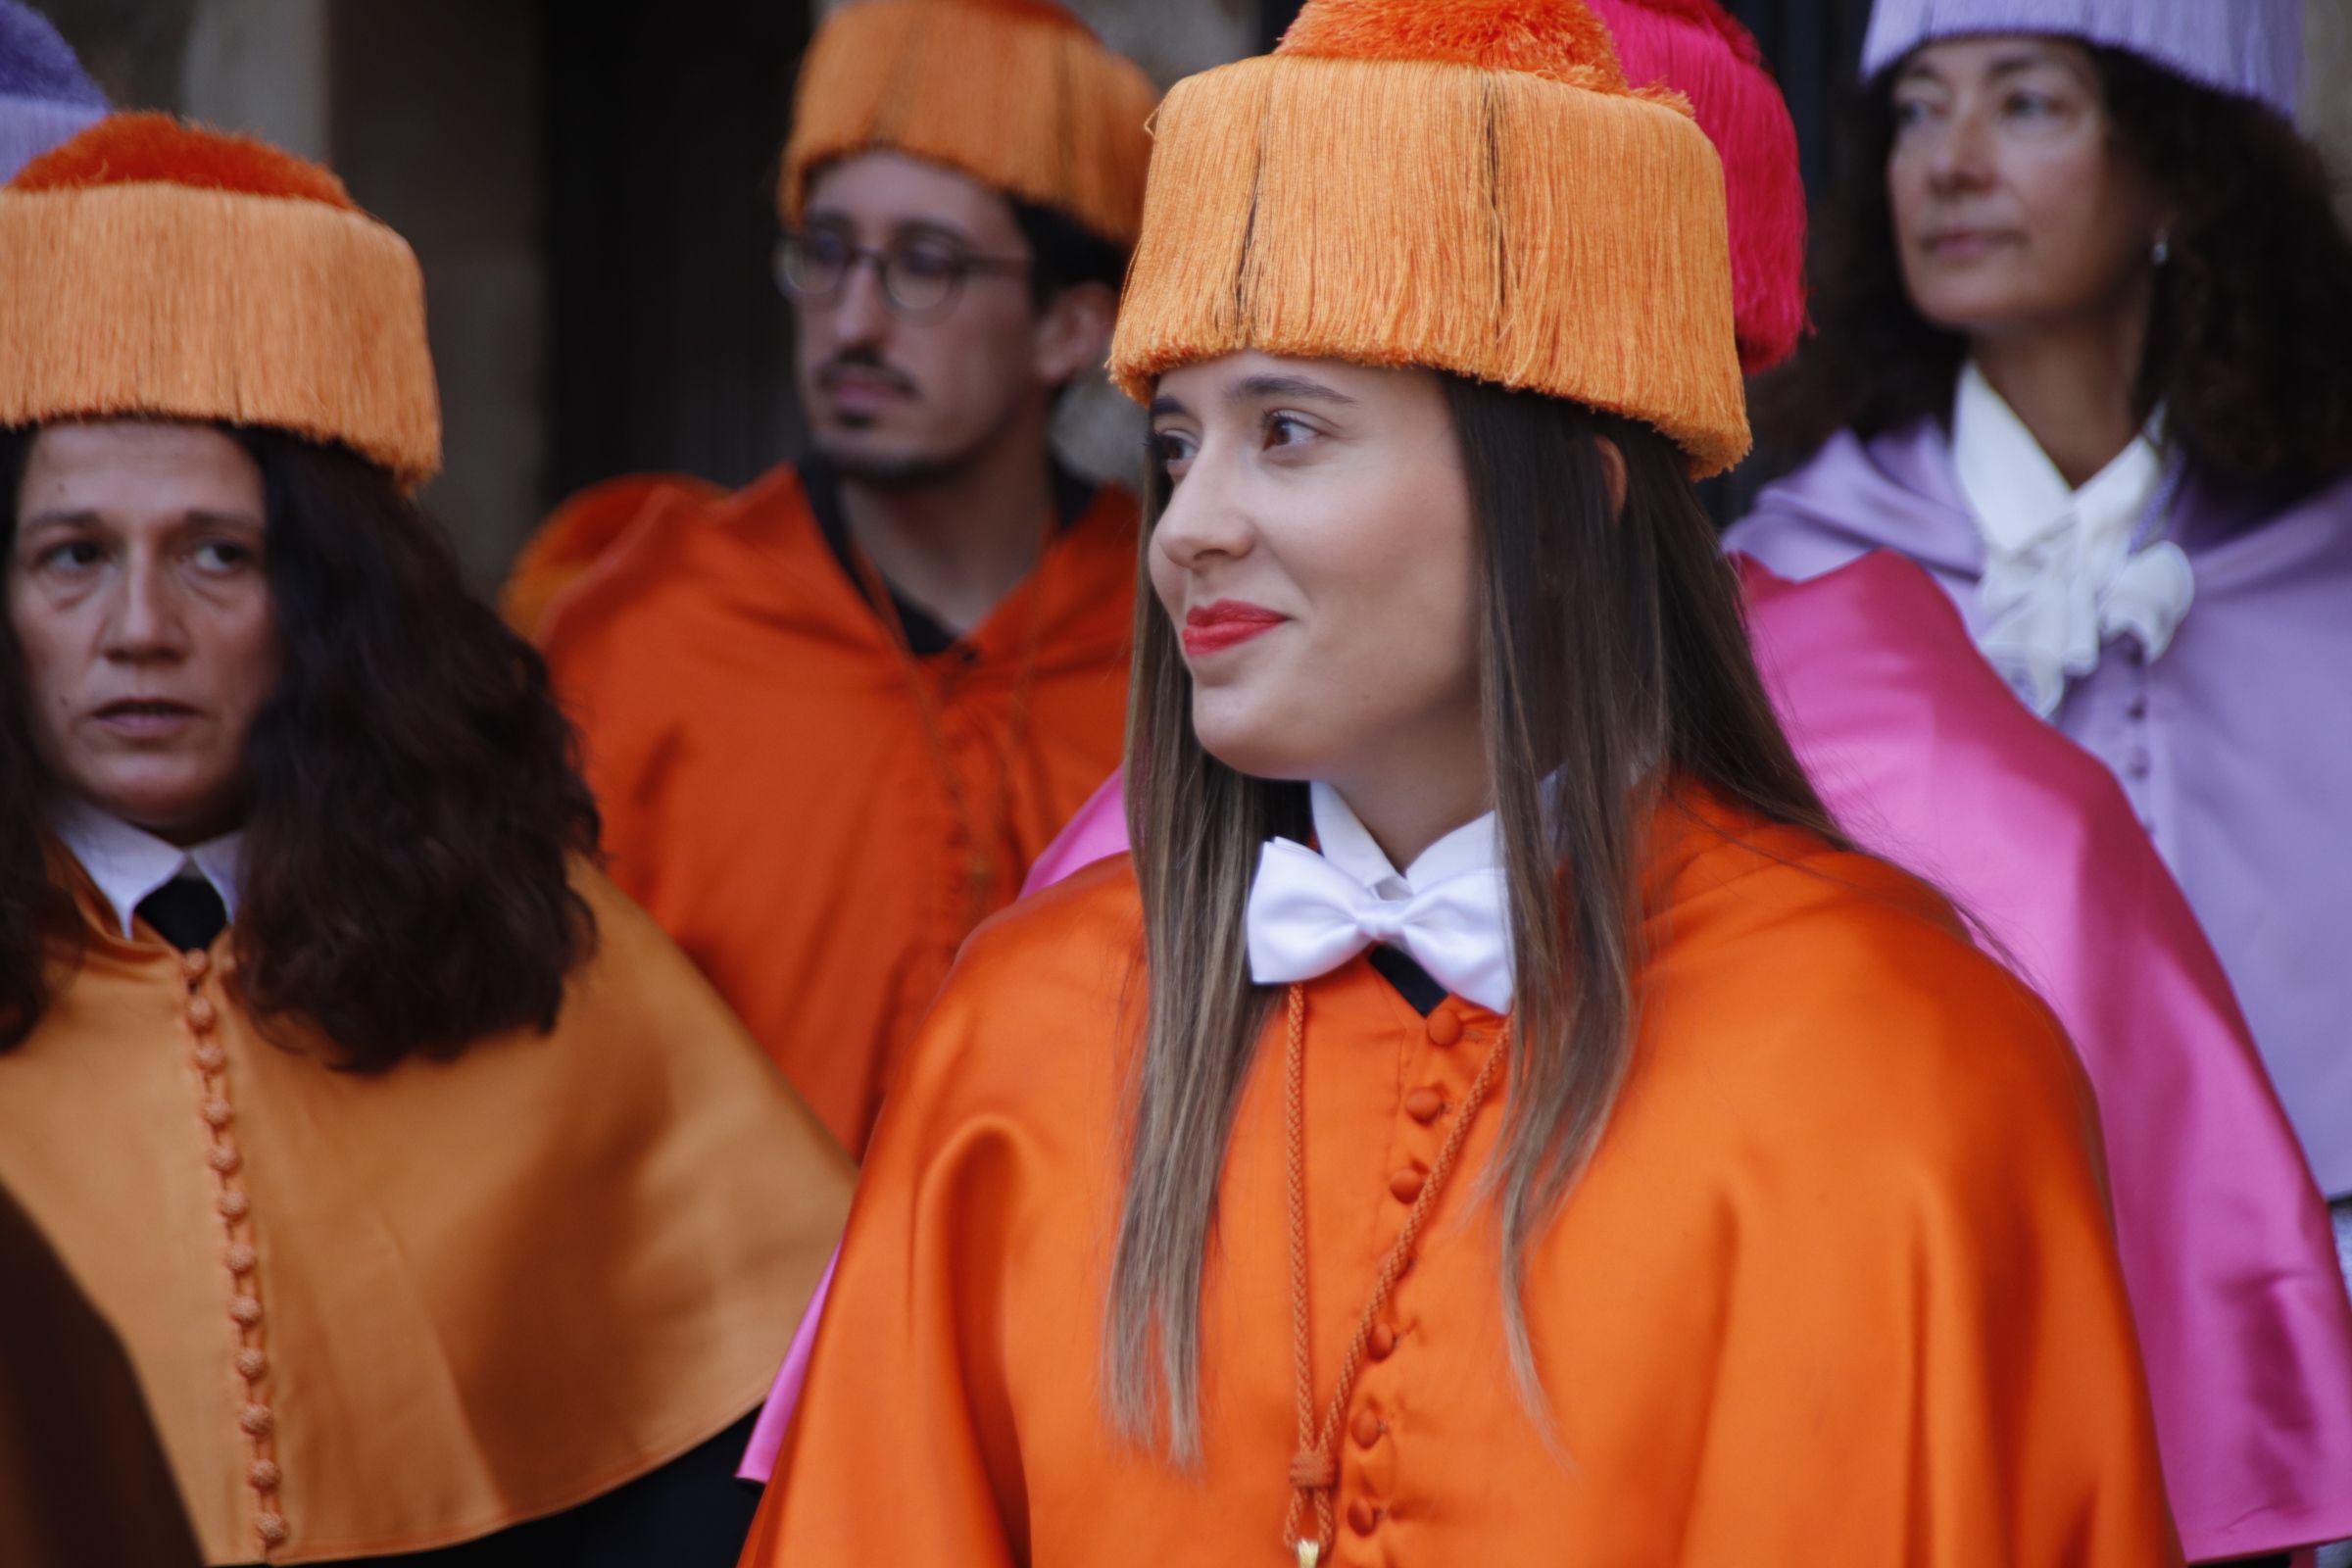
1347	843
2066	570
127	862
2015	490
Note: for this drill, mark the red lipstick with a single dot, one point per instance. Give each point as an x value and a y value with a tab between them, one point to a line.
1227	623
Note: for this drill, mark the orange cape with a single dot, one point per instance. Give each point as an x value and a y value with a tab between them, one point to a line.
1838	1288
487	1289
577	534
769	790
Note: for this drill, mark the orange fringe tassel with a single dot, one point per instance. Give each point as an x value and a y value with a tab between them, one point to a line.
1018	94
1497	224
164	300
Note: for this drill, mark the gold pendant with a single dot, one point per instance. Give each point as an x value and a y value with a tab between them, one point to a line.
1310	1553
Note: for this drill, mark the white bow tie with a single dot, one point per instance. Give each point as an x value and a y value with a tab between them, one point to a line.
2047	609
1306	917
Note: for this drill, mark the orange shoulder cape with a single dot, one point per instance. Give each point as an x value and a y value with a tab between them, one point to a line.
1839	1288
577	533
433	1301
816	817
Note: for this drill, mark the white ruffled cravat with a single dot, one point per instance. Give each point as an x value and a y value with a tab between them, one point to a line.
2061	576
1310	912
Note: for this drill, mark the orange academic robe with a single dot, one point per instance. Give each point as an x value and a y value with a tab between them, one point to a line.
577	534
379	1313
773	791
1838	1290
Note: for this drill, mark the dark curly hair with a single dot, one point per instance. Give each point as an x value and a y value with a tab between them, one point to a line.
414	805
2249	347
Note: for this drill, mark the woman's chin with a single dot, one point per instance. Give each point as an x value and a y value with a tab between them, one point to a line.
171	808
1258	751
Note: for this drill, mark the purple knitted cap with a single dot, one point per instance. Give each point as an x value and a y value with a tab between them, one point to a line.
2251	48
44	95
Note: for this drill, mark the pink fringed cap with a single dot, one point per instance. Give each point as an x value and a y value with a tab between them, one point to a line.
1696	48
2250	48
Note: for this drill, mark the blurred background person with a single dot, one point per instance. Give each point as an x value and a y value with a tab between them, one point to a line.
832	717
2086	353
438	1203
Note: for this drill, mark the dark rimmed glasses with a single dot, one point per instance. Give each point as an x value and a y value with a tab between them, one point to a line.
919	278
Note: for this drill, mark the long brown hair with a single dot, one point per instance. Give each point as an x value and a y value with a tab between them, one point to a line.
413	811
1613	667
2249	348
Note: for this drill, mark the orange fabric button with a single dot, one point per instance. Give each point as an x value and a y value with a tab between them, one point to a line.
1367	1429
233	1206
271	1528
1382	1344
245	1309
1424	1104
264	1476
251	1364
1445	1027
1407	1184
211	1057
193	963
1362	1517
256	1420
202	1015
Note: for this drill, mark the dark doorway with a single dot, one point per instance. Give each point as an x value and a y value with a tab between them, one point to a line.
664	126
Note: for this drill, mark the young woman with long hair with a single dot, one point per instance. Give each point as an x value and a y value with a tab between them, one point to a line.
1639	1175
1923	754
2086	353
439	1205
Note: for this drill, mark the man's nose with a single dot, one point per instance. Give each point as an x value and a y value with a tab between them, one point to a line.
861	314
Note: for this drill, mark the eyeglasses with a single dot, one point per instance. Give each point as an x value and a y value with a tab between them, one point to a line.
919	278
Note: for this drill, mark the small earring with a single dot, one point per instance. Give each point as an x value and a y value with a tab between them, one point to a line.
2164	248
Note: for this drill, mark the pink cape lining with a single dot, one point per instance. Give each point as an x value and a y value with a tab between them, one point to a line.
1924	755
767	1433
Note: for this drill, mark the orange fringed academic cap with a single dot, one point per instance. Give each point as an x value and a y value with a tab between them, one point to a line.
1016	93
1470	186
148	266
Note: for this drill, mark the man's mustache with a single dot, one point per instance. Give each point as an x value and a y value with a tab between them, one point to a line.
866	364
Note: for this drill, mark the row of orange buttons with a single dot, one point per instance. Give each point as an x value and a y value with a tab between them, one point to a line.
1444	1028
254	1418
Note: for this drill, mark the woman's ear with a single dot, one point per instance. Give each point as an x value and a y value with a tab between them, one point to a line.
1612	469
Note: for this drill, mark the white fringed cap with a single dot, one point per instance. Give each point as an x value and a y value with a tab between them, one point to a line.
2249	48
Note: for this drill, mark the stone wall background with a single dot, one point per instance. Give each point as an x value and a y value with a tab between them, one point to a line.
437	113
